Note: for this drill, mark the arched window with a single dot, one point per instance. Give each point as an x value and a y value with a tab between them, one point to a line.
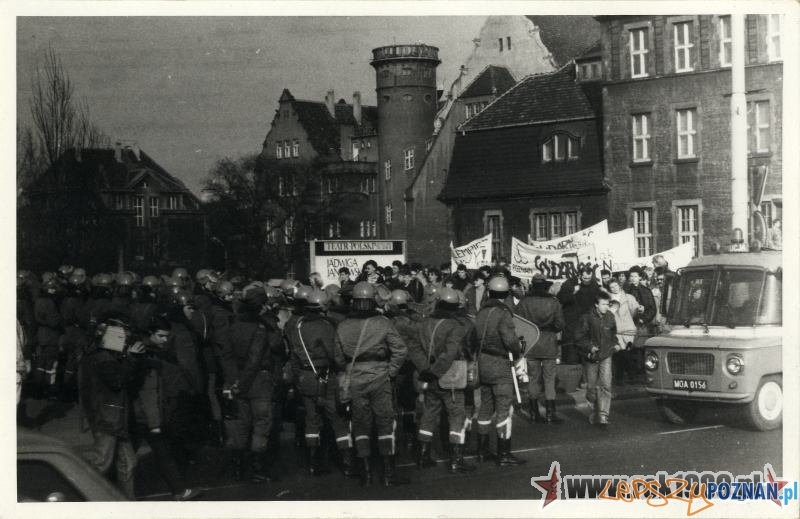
560	147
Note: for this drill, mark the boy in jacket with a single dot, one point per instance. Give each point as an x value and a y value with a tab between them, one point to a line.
596	339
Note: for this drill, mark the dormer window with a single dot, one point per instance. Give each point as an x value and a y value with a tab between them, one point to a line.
560	147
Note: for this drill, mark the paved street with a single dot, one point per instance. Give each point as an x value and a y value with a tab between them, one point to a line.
637	442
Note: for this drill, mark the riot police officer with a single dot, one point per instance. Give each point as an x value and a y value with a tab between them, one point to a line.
370	352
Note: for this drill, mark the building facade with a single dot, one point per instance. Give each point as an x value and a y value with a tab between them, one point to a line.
530	165
107	209
667	113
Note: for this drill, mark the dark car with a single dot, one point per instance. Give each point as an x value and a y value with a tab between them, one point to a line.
49	470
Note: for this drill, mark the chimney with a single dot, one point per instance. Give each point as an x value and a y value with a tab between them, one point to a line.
118	151
330	103
136	151
357	107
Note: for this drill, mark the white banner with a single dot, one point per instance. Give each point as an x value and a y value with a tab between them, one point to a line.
527	260
677	257
328	256
588	236
617	248
473	255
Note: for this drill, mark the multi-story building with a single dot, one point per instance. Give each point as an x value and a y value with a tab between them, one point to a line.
110	208
530	164
667	116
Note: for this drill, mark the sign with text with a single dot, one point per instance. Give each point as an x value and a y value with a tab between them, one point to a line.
527	260
587	236
328	256
473	255
677	257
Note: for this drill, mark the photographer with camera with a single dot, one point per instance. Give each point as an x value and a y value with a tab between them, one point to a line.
596	339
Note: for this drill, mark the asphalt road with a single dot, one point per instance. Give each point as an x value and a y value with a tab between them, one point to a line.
636	442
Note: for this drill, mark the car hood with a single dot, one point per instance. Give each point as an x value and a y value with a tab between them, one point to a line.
718	337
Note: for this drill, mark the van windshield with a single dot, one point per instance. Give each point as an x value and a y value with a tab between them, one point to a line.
692	298
737	297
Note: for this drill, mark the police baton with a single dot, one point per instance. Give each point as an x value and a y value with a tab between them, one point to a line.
514	377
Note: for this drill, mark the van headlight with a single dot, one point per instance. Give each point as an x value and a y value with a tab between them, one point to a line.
651	361
734	364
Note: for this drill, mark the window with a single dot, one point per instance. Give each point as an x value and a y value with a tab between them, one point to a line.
333	184
774	22
758	111
295	148
335	229
508	42
493	223
153	207
138	205
500	41
279	151
688	226
367	229
638	51
281	187
372	187
172	202
641	138
540	227
571	223
288	230
686	133
365	185
388	210
683	46
408	159
725	41
643	231
387	170
560	147
556	225
287	150
355	150
361	228
119	201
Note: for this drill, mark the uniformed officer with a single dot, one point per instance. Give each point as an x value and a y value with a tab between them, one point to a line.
50	325
145	307
407	322
441	343
494	337
247	358
312	339
370	351
74	341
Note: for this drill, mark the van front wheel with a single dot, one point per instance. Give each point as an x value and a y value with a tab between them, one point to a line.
679	412
765	412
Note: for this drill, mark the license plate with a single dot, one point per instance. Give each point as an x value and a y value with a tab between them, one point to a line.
689	385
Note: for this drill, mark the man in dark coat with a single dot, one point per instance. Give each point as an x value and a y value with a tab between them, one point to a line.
494	338
596	338
543	310
477	293
577	296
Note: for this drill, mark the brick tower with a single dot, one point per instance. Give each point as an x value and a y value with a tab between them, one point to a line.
407	104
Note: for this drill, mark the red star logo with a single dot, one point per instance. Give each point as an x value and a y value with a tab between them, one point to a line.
770	475
549	484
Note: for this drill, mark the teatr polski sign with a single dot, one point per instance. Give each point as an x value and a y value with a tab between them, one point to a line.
328	256
473	255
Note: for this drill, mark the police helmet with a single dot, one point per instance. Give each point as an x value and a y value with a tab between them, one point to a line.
302	293
449	296
224	289
399	297
317	299
151	282
363	290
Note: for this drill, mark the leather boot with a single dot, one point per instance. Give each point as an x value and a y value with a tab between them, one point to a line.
484	454
457	463
366	472
505	458
533	409
348	464
390	478
424	459
552	417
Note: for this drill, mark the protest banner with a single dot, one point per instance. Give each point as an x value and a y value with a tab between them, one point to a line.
677	257
616	248
473	255
587	236
328	256
527	260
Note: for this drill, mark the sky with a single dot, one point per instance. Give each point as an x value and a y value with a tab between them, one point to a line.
192	90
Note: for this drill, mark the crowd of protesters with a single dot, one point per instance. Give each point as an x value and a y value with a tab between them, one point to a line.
180	361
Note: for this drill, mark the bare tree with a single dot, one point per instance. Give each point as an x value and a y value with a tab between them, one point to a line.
60	122
29	159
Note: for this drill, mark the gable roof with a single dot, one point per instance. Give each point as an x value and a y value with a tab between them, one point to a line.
99	170
540	98
567	36
493	80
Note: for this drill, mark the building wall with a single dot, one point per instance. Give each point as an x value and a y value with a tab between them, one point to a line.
406	91
285	126
469	217
667	181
